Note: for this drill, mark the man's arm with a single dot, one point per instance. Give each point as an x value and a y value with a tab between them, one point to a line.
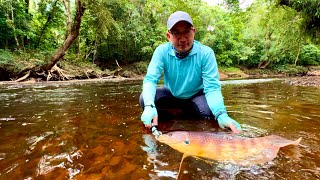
149	86
211	83
212	90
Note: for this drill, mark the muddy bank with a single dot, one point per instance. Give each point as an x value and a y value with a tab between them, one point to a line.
33	82
311	79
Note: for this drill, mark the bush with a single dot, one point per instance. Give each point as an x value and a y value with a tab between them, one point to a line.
290	69
140	67
310	55
16	61
6	58
8	62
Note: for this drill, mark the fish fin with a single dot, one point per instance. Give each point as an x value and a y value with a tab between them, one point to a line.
296	142
282	142
184	156
267	155
260	157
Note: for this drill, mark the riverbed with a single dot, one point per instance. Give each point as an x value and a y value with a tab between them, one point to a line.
92	130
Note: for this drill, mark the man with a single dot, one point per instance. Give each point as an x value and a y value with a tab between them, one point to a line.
191	77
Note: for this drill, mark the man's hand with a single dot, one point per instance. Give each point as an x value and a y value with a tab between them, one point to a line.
225	121
155	131
149	118
148	115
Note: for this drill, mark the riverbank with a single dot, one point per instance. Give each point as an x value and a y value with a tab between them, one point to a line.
300	76
311	79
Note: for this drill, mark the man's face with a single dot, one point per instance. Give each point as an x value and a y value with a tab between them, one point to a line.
181	35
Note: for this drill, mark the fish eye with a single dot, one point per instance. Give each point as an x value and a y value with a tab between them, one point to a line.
186	142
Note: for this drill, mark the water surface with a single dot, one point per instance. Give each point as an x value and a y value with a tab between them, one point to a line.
92	131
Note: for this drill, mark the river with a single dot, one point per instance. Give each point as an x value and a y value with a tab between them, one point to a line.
92	130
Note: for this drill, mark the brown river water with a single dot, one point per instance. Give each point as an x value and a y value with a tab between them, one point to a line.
92	130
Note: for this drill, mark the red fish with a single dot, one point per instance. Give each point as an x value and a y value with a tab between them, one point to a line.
226	147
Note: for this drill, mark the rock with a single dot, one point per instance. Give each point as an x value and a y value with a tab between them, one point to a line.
115	160
305	81
99	150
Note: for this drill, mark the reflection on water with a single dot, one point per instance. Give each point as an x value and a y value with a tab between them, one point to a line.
92	131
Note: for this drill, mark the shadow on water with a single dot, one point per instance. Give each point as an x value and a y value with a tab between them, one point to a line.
92	131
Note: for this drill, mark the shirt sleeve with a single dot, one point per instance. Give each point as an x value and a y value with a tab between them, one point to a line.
211	83
153	76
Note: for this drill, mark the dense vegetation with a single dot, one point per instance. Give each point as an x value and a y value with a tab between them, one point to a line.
37	35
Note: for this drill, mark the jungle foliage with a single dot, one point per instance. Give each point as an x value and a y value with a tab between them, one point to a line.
269	33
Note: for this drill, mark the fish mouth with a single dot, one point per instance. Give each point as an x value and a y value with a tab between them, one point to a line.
167	139
163	138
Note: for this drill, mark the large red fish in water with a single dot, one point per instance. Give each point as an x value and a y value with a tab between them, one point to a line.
226	147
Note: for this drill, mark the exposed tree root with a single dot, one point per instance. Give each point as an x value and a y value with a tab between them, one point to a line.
37	73
23	77
117	70
85	72
263	64
55	73
60	72
49	76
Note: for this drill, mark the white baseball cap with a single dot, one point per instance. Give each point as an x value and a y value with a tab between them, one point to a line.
177	17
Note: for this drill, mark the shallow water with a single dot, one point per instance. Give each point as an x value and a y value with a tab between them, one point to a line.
92	131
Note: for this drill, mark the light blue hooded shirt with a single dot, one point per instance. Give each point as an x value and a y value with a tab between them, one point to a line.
185	77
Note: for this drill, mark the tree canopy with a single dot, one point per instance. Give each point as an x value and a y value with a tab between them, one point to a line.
310	12
266	34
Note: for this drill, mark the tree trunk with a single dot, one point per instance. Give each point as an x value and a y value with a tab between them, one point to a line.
95	50
264	63
13	26
78	46
284	2
27	6
66	4
70	39
297	58
25	39
7	44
